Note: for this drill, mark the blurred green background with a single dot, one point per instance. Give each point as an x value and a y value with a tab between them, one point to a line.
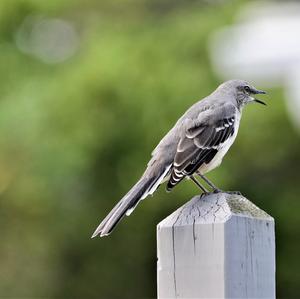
80	113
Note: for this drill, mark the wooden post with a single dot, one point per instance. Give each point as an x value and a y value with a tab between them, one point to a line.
217	246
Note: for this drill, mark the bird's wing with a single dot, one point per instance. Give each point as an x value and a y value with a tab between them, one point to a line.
202	140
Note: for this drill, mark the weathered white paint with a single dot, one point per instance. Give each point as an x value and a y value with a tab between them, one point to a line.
217	246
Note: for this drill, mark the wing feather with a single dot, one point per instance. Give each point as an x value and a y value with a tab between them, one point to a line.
199	145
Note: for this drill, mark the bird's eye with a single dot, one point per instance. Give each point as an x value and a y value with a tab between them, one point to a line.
247	89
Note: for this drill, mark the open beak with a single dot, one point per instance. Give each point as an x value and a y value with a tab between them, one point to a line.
259	101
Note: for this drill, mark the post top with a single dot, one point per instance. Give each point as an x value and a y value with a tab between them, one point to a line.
214	208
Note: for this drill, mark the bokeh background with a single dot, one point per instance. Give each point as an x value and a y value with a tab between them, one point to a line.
88	88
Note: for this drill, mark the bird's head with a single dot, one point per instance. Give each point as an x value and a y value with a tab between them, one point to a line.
243	92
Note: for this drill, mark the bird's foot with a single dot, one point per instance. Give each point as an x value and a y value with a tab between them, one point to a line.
234	192
217	190
228	192
204	194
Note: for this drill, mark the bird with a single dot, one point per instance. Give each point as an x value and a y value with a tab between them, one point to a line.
194	146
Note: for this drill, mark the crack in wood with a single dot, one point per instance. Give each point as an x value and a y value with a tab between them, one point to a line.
174	255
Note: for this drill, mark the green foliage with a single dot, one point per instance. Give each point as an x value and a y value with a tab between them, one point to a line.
75	136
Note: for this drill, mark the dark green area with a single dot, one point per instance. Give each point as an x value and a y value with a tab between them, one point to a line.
75	136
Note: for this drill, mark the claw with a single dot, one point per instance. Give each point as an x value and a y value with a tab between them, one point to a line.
217	190
204	194
234	192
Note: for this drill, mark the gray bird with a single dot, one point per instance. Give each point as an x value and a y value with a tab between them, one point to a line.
195	145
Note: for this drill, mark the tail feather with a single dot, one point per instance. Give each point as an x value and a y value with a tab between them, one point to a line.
126	205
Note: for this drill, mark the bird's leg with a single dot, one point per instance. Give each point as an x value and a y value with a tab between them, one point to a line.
212	185
198	184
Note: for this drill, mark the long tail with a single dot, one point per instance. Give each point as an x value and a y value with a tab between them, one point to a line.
145	186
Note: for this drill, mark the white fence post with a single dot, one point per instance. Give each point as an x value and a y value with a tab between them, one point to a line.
217	246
